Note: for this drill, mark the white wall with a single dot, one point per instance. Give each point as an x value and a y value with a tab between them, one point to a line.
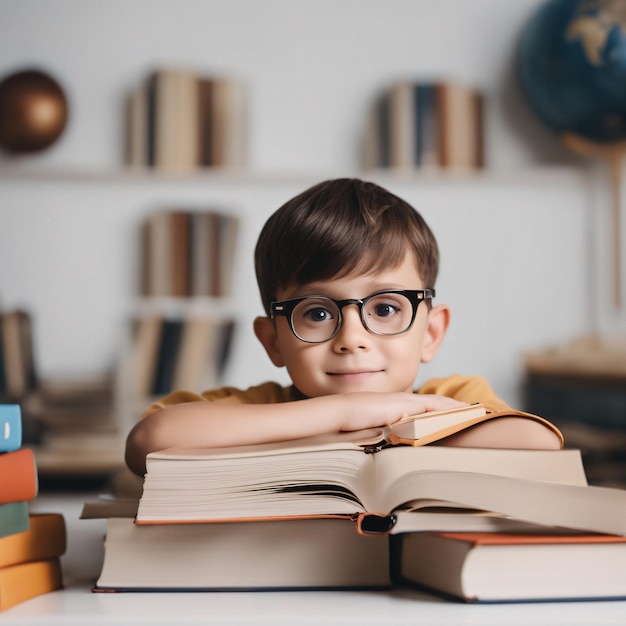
518	261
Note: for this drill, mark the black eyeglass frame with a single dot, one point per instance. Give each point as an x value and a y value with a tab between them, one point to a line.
285	308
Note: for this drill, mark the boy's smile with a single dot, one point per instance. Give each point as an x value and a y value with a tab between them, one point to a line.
356	359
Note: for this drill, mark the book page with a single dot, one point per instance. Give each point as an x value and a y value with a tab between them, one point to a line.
354	440
394	478
216	486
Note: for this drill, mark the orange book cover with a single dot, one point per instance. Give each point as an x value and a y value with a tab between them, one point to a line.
18	476
22	582
46	538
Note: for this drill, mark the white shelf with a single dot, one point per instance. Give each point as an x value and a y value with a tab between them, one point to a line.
122	176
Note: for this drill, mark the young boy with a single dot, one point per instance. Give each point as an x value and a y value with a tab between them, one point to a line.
347	273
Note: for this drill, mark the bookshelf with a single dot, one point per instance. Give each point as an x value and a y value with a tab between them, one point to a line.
70	217
531	207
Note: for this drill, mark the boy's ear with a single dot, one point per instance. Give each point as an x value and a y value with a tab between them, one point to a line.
437	325
265	331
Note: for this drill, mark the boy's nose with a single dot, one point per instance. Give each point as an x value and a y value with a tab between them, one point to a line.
352	335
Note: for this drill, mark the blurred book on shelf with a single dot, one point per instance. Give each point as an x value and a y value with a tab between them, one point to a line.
168	352
188	253
79	439
180	353
426	124
18	372
180	120
581	387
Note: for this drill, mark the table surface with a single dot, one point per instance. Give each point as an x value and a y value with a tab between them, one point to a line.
76	604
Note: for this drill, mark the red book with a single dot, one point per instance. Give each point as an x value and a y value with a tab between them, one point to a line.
18	476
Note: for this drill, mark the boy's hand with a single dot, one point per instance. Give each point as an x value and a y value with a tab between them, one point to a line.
371	409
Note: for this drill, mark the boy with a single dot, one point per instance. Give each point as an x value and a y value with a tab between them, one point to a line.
347	273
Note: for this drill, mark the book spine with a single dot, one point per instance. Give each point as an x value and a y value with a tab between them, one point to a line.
205	121
44	538
168	355
151	118
180	269
10	427
13	518
3	377
13	355
401	123
384	157
18	476
24	581
427	125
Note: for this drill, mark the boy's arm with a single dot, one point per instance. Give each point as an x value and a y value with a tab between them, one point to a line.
217	424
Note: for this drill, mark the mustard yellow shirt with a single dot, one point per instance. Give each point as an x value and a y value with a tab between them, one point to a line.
468	389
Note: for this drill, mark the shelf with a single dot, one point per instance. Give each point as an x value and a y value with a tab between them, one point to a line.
123	176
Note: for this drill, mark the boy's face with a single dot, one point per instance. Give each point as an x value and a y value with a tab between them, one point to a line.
356	359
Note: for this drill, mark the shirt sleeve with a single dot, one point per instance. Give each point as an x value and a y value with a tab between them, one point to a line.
470	389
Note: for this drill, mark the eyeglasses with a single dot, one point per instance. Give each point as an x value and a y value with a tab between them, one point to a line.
315	319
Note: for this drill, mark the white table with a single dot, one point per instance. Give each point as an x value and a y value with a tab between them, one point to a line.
76	604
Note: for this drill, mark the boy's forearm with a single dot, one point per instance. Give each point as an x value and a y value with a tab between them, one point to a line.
216	425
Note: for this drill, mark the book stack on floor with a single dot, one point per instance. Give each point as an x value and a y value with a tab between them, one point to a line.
344	511
30	544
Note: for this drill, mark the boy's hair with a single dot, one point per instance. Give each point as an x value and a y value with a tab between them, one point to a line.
337	227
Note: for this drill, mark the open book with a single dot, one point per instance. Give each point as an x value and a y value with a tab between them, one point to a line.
371	477
383	491
479	426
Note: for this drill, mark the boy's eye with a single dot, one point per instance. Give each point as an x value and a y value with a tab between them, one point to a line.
318	314
385	310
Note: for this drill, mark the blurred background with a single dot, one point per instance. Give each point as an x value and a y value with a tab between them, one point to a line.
526	229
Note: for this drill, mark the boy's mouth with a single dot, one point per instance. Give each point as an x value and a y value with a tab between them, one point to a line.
354	373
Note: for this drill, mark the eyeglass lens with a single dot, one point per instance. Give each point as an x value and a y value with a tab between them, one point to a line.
317	319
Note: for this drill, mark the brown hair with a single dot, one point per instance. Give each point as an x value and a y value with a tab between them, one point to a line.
336	227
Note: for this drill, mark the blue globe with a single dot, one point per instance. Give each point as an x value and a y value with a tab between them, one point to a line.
572	67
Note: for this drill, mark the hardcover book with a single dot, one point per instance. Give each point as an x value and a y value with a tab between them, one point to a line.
24	581
503	567
13	518
10	427
18	476
287	554
44	539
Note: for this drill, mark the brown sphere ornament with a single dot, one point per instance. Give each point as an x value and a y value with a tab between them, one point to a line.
33	111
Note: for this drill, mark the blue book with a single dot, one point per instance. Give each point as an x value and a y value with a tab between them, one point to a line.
10	427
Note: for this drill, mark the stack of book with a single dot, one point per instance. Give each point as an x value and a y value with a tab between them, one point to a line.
188	253
179	120
426	125
581	386
176	352
31	545
80	440
359	510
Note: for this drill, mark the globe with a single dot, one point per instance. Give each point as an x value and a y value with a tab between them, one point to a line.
571	63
